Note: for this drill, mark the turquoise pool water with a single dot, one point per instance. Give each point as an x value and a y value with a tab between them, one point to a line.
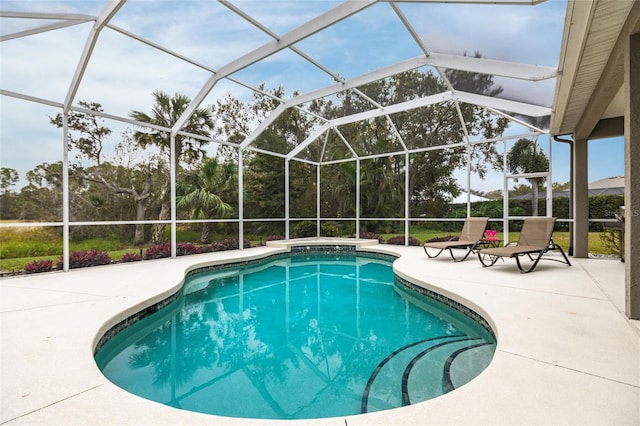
304	336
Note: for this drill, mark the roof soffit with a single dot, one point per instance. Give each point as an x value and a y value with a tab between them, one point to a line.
602	103
591	63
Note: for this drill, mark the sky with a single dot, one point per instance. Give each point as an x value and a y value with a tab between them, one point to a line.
123	73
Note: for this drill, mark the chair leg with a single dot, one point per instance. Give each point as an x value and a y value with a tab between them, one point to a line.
432	256
493	259
469	251
532	267
554	246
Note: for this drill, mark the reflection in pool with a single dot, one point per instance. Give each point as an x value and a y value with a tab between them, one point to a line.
305	336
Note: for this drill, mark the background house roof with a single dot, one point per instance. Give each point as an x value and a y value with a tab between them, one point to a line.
462	198
610	182
613	185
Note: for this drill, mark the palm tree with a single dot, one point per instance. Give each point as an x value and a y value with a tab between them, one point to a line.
200	189
166	112
342	190
381	187
525	157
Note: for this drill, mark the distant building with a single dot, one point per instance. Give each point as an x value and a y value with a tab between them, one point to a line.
608	186
462	198
613	185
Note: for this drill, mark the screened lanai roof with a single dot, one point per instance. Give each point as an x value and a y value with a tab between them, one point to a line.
117	53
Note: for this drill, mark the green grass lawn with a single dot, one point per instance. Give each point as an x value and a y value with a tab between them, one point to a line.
561	238
21	248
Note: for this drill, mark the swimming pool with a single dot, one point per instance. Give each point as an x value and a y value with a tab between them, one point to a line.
297	336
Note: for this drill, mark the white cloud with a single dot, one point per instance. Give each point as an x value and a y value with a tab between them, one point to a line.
513	33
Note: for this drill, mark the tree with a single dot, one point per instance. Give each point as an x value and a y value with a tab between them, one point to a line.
165	112
338	199
8	178
431	179
41	198
199	189
431	171
88	135
557	186
264	174
91	132
525	157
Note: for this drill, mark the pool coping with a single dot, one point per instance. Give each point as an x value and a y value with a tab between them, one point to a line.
51	323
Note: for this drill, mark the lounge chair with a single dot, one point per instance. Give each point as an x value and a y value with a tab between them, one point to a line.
470	237
535	240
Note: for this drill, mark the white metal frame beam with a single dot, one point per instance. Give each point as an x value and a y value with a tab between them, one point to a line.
189	60
376	75
294	49
425	149
404	106
48	16
515	70
43	29
311	27
503	104
108	11
504	2
464	63
480	100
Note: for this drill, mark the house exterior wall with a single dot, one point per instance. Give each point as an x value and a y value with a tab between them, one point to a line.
580	198
632	177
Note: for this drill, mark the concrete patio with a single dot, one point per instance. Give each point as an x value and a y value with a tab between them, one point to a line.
566	352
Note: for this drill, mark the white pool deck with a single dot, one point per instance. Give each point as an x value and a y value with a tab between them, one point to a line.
566	353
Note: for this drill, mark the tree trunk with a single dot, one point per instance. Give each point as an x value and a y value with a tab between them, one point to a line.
140	200
205	234
141	210
158	229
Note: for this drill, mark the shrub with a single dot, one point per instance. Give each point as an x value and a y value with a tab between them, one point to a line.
399	241
131	257
603	207
82	259
329	230
272	238
440	239
205	249
304	229
158	251
611	240
163	250
372	236
229	244
38	266
183	249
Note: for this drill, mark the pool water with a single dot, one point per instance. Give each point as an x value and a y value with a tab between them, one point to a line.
295	338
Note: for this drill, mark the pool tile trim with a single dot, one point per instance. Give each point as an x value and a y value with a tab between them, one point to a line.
463	309
132	319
